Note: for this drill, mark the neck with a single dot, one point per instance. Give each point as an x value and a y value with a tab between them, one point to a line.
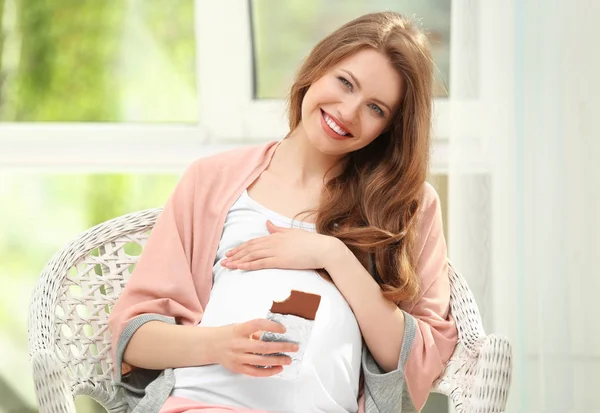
298	161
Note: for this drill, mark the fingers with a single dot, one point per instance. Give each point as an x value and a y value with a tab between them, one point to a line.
270	347
253	263
260	324
266	361
247	255
251	328
258	371
260	264
254	357
249	244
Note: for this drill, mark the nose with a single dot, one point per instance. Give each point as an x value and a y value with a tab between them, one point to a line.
348	110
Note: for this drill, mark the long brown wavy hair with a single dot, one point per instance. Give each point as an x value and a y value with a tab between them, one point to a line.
372	205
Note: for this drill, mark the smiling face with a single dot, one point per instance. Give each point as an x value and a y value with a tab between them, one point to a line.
352	104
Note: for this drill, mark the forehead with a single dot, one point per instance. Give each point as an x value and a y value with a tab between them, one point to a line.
377	78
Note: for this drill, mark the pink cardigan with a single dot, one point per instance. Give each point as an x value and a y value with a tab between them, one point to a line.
174	274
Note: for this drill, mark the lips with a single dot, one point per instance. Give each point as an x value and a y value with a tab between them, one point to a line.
333	127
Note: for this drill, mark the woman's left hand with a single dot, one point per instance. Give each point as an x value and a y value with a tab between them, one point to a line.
284	248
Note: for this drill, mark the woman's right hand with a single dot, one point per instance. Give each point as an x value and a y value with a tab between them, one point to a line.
238	348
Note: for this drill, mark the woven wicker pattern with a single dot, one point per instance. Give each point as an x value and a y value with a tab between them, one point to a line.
69	340
477	376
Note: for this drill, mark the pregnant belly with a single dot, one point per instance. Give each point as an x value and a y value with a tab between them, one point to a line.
330	367
216	385
239	296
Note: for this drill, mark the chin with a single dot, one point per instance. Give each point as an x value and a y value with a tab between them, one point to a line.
328	146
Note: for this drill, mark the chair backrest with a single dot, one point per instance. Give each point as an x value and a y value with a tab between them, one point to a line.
72	300
478	375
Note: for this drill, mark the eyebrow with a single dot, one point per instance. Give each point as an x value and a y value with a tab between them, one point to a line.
358	85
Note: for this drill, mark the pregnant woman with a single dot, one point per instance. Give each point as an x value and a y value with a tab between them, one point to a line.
336	218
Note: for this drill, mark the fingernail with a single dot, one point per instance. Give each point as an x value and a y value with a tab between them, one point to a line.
224	262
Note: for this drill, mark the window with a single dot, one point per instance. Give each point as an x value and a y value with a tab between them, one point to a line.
283	34
99	85
90	95
257	45
39	213
109	61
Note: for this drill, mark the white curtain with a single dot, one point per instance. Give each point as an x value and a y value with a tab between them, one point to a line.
524	188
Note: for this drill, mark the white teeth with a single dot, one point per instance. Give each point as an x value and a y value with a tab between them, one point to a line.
334	125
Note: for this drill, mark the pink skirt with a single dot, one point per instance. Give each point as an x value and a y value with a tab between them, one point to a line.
183	405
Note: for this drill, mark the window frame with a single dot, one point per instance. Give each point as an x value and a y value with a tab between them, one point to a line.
228	114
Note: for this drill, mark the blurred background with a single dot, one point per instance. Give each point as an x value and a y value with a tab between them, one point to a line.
104	103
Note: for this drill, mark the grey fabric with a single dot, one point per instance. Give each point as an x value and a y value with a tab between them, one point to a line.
386	391
144	390
147	390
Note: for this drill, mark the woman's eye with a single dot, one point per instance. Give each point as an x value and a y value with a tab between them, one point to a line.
377	109
345	82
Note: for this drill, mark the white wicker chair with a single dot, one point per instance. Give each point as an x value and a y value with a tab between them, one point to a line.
69	341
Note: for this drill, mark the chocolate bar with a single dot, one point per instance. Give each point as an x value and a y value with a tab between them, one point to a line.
297	313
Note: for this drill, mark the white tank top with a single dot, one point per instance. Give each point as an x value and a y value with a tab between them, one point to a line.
327	378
